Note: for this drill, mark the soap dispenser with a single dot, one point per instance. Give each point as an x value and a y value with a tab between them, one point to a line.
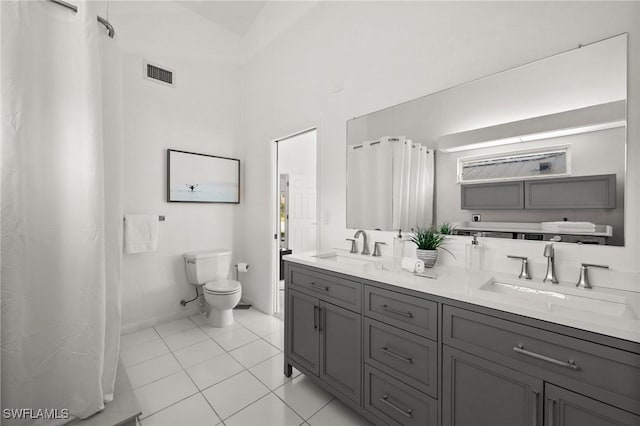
474	254
398	247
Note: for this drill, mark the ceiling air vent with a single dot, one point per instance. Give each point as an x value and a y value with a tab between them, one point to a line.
160	75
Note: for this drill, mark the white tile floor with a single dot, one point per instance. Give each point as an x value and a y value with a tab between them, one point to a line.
186	373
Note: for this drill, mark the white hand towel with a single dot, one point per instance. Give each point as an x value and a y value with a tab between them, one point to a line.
140	233
586	226
412	265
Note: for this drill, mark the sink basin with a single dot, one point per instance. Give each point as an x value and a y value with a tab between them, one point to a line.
343	259
564	301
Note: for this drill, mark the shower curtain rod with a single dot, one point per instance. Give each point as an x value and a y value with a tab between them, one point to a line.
110	30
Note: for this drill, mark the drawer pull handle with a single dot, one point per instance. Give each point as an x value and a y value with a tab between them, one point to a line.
396	311
568	364
404	411
319	287
388	351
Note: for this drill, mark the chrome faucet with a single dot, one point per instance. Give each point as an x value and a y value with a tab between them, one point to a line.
365	249
551	272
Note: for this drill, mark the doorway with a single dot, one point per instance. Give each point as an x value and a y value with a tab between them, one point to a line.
295	204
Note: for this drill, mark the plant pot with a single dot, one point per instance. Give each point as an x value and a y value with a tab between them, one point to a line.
429	257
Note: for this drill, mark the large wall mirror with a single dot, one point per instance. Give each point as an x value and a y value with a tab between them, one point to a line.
537	152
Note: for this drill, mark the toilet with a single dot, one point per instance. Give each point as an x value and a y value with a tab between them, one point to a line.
209	269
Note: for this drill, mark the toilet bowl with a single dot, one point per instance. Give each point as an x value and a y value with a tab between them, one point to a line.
221	297
209	269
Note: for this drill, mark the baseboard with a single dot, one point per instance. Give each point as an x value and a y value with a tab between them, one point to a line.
249	301
152	322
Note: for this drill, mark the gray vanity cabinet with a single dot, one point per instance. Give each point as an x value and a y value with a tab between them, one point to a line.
480	392
505	369
402	357
323	338
566	408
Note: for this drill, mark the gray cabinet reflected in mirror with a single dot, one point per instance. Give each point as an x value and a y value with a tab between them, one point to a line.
551	127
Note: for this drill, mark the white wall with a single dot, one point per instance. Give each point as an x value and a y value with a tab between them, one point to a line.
324	63
200	114
297	155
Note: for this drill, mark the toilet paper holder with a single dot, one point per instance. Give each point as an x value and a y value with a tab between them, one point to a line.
241	267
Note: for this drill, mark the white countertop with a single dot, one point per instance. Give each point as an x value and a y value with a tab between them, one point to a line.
459	284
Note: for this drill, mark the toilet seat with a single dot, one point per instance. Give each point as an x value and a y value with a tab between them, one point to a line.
222	287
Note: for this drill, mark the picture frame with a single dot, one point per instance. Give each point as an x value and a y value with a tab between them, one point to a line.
202	178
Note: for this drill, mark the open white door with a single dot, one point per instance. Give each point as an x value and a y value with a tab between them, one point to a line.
302	213
296	229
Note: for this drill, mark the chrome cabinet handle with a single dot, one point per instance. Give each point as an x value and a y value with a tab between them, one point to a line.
319	287
396	311
315	317
388	351
568	364
404	411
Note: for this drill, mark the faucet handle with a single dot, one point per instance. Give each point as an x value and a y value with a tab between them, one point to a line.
376	248
593	265
354	245
524	270
583	280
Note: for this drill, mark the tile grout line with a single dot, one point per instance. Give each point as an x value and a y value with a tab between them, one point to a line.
244	368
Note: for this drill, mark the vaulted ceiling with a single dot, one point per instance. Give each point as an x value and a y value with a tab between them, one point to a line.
236	16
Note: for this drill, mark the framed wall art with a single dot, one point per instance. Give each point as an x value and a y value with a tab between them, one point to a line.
202	178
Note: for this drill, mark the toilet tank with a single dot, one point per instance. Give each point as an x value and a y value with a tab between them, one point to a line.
207	265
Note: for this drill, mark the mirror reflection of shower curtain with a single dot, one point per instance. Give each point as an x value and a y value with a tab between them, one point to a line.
369	170
61	208
390	184
413	173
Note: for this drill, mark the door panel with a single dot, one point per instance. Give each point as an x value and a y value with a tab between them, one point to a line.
302	318
479	392
302	213
566	408
341	354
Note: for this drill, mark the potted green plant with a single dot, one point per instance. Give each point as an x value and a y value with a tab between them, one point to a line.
428	241
446	228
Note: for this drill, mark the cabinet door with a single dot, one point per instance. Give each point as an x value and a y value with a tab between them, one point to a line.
479	392
566	408
582	192
303	326
341	349
492	196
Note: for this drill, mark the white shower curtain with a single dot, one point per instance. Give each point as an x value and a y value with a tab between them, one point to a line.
61	213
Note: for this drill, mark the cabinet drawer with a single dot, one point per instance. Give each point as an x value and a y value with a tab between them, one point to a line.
340	291
395	402
410	358
412	314
602	372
